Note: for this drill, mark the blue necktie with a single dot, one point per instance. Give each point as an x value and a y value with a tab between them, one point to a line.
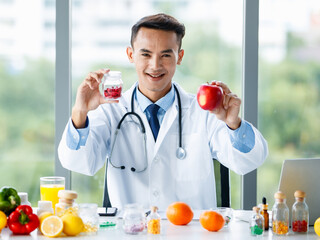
153	120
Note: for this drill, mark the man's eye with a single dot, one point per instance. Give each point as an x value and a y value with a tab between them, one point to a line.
166	55
145	55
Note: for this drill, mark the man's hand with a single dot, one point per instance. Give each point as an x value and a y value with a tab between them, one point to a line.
229	109
88	97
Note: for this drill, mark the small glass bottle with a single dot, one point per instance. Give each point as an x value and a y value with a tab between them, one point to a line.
300	213
264	213
66	203
44	206
280	215
24	198
112	85
153	221
257	222
133	219
90	217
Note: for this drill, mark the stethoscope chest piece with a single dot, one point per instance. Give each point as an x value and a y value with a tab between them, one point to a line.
181	153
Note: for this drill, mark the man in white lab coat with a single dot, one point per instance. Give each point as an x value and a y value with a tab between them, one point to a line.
157	177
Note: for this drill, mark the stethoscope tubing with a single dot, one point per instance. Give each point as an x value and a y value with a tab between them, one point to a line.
180	149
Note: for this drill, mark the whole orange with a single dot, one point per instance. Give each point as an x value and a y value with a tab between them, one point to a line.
212	221
179	213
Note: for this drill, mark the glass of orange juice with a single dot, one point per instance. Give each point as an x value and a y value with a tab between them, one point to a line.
49	188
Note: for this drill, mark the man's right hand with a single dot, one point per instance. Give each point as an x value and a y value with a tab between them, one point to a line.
88	97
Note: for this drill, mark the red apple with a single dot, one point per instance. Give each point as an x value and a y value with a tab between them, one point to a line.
209	96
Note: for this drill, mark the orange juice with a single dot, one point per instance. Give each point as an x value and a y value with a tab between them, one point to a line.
49	192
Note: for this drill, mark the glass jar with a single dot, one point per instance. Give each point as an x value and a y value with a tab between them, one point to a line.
112	85
256	222
133	219
280	215
153	221
90	217
66	203
300	213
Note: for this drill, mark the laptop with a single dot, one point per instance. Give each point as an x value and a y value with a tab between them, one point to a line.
302	174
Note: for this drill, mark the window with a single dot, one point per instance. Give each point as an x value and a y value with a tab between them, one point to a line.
26	97
289	77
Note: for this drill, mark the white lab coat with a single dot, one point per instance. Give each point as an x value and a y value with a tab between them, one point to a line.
167	179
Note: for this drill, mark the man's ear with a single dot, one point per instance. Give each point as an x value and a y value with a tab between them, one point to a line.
130	54
180	56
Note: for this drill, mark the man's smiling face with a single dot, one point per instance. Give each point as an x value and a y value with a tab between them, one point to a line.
155	54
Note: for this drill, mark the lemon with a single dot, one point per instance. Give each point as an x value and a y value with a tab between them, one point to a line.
72	224
44	215
51	226
3	220
317	226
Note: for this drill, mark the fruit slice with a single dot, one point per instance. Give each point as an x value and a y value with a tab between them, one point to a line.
51	226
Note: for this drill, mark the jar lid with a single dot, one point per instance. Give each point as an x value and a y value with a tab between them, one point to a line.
67	194
279	195
154	209
256	209
299	194
112	76
44	204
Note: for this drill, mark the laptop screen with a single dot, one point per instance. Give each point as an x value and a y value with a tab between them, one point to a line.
304	175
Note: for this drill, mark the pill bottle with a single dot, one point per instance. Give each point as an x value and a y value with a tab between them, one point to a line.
153	221
256	222
280	215
264	213
300	213
88	212
112	85
133	219
66	203
44	206
24	198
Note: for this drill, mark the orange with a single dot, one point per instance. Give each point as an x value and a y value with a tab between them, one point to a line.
212	221
179	213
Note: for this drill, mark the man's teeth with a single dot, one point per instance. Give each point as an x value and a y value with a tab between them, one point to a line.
155	76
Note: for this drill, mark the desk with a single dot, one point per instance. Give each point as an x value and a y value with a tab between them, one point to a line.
238	230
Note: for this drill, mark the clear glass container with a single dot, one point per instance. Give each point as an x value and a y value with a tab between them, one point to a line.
66	203
154	221
134	219
90	217
280	215
300	213
256	222
112	85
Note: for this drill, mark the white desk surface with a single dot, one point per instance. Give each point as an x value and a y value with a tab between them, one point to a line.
237	229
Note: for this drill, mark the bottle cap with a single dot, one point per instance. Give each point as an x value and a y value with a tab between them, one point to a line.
112	77
279	195
23	196
299	194
154	209
45	205
256	209
67	194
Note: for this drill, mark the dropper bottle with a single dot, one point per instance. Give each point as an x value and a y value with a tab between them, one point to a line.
264	213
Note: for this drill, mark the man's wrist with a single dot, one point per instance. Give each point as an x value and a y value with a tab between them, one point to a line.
235	124
79	117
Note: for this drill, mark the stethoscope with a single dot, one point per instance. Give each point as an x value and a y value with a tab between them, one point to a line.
180	152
